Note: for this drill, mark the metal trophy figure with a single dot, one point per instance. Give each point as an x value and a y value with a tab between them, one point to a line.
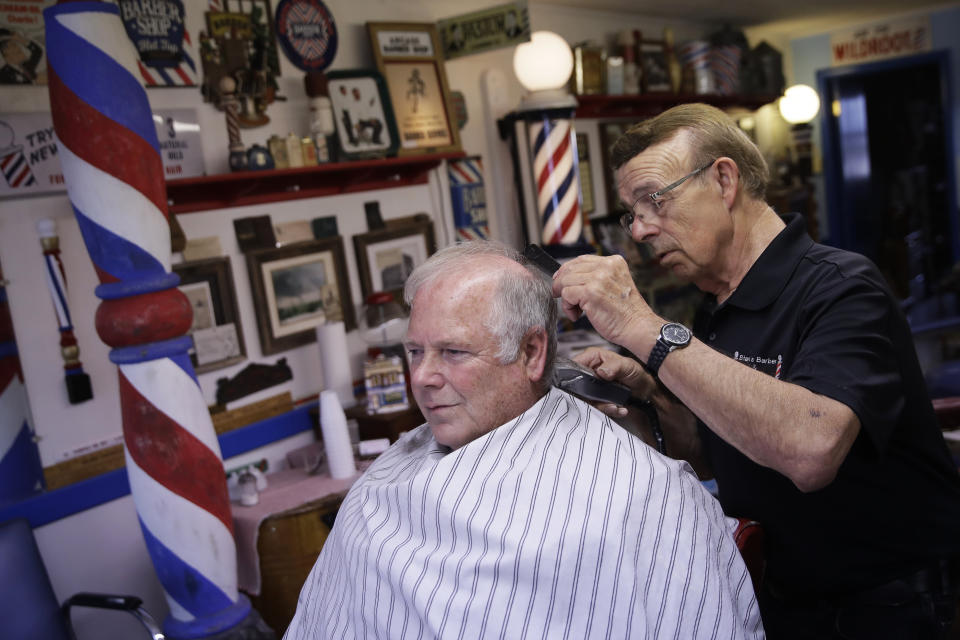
111	160
78	382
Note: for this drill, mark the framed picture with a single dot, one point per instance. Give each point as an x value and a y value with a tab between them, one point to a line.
361	108
585	173
656	70
609	132
409	57
296	288
216	331
385	257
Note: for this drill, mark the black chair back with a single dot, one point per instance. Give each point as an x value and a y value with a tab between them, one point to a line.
29	608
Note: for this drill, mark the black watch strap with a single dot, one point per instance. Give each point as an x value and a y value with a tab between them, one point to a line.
672	336
657	355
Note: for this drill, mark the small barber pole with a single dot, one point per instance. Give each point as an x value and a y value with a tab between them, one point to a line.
469	198
78	382
553	147
779	367
13	164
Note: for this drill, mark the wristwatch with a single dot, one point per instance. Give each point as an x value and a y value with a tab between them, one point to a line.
672	336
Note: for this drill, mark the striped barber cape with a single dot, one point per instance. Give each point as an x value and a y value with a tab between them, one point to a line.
558	524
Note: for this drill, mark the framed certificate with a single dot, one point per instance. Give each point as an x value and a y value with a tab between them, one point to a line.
216	331
409	58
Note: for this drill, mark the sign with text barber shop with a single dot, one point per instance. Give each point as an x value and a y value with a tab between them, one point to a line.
880	40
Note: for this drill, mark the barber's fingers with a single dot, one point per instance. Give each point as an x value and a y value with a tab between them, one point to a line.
590	269
572	311
602	289
612	366
612	410
591	357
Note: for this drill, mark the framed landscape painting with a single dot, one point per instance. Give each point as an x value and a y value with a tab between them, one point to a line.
296	288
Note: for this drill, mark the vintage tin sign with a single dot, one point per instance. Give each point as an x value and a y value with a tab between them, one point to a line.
307	33
505	25
469	199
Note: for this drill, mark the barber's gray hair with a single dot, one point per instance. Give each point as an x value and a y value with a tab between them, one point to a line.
519	305
713	134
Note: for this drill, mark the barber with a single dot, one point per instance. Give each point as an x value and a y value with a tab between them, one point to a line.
803	378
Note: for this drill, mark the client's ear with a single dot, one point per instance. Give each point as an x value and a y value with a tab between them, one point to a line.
533	351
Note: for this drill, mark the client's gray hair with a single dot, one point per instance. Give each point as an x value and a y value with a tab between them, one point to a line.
519	304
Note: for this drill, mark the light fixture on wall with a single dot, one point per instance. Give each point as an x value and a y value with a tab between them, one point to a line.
543	66
544	141
799	104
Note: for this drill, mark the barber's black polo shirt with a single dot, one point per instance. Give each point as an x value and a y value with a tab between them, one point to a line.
824	319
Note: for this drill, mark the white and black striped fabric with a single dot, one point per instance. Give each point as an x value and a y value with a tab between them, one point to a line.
558	524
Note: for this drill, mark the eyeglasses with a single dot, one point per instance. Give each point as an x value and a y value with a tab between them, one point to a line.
649	204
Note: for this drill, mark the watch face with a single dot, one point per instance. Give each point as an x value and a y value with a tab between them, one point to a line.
675	334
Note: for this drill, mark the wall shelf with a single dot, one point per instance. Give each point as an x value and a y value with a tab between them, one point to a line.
650	104
258	187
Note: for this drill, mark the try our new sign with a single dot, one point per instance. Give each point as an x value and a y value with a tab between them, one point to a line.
28	150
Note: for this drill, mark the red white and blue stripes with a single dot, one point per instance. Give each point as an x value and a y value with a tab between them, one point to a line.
114	174
15	168
185	521
558	195
725	64
468	198
21	473
109	152
182	75
78	382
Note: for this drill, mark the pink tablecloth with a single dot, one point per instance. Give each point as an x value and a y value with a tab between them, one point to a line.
286	490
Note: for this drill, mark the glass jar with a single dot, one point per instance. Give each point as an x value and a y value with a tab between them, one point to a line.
383	321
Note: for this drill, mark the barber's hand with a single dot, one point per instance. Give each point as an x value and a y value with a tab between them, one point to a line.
601	288
628	372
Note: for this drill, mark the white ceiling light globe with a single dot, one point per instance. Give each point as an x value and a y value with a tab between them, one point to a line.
544	63
799	104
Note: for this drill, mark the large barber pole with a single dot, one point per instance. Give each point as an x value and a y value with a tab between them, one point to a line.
111	161
553	149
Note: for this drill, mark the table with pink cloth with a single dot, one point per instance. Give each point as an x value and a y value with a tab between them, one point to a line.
286	490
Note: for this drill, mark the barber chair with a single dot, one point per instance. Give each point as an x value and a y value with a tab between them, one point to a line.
749	537
29	609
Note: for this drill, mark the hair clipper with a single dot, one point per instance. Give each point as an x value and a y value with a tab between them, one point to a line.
581	382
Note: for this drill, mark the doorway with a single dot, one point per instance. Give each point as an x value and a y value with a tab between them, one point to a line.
888	168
